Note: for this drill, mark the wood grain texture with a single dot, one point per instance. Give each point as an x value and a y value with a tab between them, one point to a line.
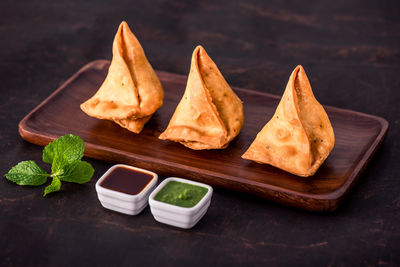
357	138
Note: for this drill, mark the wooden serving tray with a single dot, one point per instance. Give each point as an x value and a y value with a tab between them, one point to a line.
357	135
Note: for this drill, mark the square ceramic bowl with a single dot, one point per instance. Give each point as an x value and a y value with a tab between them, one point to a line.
175	215
123	202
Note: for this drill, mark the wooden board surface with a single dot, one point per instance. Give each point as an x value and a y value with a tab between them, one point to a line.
357	135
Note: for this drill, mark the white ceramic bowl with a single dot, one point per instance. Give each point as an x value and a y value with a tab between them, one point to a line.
122	202
175	215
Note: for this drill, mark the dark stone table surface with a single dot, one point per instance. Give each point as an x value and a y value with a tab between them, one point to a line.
351	53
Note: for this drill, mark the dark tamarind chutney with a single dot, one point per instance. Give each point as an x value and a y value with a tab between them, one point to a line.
126	180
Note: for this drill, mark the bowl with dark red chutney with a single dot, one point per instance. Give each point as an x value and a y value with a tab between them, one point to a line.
125	188
180	202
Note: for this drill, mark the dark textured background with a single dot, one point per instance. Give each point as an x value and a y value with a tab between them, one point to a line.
351	53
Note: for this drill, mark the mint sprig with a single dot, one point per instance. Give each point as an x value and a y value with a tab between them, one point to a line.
64	154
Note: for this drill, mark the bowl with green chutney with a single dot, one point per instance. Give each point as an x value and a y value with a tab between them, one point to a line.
180	202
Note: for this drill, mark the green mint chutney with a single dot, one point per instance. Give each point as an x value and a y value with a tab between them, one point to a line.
181	194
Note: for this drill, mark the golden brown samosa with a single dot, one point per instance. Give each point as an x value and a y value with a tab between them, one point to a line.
209	114
131	92
299	137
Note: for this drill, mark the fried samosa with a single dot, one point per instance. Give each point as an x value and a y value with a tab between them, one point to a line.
299	137
209	114
131	92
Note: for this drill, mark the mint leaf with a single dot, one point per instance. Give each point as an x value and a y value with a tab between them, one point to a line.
77	172
27	173
59	163
53	187
67	149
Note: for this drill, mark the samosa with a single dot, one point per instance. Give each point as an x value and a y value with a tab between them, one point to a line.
299	136
209	114
131	92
